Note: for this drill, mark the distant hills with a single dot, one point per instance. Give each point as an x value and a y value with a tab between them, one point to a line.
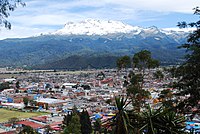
91	44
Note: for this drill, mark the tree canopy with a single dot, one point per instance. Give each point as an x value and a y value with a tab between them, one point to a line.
144	60
7	6
86	127
141	60
123	62
189	73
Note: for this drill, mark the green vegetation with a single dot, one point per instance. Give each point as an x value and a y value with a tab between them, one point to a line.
161	121
57	52
81	62
28	130
4	85
17	84
86	127
25	100
121	122
188	74
142	118
7	6
77	122
143	60
158	74
6	115
74	126
123	62
148	121
97	126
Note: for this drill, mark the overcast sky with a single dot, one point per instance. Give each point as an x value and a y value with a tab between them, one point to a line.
43	16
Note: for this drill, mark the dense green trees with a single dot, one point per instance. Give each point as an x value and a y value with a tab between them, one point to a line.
123	62
25	100
148	120
7	6
28	130
86	127
166	97
97	126
158	75
143	60
66	120
4	85
140	60
77	122
74	127
136	92
188	74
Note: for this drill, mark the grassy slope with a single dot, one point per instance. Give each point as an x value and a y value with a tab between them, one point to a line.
5	115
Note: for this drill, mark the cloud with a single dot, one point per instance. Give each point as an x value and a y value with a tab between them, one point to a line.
19	32
58	12
47	15
183	6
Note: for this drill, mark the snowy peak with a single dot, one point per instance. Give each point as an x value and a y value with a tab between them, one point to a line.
96	27
102	27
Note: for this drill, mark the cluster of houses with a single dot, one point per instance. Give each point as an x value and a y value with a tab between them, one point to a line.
58	92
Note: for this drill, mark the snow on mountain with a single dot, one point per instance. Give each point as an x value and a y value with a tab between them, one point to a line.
177	33
96	27
176	30
102	27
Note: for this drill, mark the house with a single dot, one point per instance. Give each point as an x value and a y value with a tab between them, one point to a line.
9	80
31	124
49	102
8	91
69	85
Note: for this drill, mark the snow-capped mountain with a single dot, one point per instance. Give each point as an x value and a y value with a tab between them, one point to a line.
102	27
96	27
92	39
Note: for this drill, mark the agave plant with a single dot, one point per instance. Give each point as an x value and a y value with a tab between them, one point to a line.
171	123
149	120
122	123
161	121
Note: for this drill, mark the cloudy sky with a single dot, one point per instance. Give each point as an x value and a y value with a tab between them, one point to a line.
43	16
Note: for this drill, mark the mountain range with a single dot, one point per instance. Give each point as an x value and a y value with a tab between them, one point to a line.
93	43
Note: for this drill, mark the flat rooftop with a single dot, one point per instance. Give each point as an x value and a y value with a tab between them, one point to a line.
50	100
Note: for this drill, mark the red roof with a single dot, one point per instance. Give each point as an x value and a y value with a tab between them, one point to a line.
31	124
106	80
23	89
56	123
9	132
42	118
56	128
8	125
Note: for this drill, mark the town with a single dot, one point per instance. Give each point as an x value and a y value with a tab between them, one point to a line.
50	95
99	67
